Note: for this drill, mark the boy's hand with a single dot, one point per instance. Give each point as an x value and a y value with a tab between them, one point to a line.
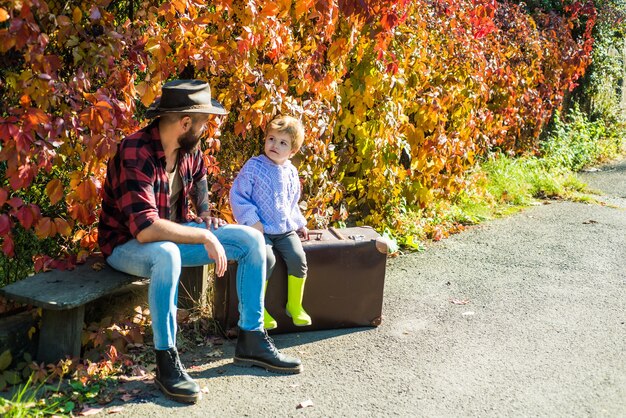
303	232
258	226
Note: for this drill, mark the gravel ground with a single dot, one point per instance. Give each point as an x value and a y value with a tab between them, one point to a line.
543	332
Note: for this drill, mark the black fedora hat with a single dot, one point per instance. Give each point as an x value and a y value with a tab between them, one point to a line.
185	96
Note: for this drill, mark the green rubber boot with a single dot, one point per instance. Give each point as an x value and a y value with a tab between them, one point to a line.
295	292
268	321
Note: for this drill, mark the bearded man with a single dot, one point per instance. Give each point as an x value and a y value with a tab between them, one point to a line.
146	230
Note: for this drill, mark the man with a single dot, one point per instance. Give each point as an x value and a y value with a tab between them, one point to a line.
144	230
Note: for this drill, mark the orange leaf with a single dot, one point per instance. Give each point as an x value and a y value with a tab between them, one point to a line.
45	228
4	15
79	235
86	190
89	241
54	190
25	100
77	15
63	227
147	92
36	116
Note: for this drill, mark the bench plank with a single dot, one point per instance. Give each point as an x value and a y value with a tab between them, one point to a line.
60	290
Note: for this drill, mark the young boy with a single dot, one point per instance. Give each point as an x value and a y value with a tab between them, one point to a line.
265	196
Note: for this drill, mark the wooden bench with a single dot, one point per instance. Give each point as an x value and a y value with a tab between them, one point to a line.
62	295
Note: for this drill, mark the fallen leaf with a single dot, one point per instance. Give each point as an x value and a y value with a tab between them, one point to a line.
460	301
590	221
305	404
115	410
87	411
98	266
215	353
205	389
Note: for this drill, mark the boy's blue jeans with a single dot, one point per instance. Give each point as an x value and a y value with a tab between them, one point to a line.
162	261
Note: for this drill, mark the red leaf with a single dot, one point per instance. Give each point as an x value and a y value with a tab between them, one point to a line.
3	196
43	263
15	202
5	225
25	216
8	247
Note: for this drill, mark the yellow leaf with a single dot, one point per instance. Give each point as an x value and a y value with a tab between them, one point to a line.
259	104
77	15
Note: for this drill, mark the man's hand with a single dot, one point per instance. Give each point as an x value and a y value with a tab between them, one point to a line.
210	221
303	232
216	251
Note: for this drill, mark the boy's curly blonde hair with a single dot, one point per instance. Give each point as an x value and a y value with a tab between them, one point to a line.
291	126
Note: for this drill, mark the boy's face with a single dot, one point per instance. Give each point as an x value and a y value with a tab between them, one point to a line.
278	146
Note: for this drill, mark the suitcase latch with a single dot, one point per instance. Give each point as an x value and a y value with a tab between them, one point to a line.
317	234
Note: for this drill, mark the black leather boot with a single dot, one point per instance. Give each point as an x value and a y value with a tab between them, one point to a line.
256	348
172	378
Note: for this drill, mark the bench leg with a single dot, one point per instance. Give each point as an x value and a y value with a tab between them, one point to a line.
60	334
193	287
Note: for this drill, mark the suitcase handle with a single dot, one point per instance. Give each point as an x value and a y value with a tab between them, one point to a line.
336	233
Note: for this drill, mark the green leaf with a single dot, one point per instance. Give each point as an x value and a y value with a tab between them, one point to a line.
3	383
12	378
77	385
5	359
69	406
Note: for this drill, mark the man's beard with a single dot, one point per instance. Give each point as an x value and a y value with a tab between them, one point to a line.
188	142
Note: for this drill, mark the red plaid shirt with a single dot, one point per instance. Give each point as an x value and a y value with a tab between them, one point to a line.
136	190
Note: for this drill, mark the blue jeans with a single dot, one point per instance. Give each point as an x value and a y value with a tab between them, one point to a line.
162	261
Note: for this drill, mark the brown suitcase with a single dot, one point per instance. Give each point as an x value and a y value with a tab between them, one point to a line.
344	288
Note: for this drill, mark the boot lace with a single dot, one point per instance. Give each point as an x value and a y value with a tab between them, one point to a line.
178	366
271	345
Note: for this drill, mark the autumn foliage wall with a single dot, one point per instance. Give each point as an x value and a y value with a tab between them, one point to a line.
398	97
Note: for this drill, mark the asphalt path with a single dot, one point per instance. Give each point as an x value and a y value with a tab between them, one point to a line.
519	317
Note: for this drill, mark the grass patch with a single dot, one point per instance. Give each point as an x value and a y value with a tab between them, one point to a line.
28	401
501	185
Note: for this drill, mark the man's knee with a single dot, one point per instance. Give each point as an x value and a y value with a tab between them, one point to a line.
167	253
